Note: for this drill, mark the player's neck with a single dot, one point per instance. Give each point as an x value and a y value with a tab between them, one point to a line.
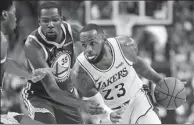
3	28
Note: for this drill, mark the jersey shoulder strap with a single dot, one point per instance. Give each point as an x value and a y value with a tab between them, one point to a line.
68	27
37	39
116	48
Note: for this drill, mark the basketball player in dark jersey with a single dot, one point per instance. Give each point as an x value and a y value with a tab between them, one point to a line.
53	100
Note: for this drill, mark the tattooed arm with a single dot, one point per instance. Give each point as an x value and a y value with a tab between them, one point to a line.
130	51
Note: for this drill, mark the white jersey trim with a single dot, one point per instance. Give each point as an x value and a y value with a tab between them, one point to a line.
4	59
127	61
46	54
69	28
51	42
85	69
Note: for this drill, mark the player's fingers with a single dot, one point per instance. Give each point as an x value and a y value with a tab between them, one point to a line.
34	80
89	112
184	82
48	69
96	110
39	72
116	116
92	112
92	103
115	120
100	111
37	78
121	110
95	105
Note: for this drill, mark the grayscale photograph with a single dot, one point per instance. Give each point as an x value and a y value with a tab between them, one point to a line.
97	62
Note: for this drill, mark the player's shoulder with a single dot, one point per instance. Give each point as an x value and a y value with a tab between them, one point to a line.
78	70
126	40
80	78
75	29
129	47
30	40
128	43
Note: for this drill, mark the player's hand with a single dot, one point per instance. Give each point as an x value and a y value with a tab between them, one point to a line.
116	116
92	107
38	75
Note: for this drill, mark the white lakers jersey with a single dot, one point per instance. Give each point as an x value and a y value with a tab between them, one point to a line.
120	82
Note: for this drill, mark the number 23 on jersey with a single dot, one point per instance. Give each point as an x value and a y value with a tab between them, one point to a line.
118	91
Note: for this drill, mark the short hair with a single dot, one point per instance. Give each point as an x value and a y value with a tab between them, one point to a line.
5	5
92	26
48	5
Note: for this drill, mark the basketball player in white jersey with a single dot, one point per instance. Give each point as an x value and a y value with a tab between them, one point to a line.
107	72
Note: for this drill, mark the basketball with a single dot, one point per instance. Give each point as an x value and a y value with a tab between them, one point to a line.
170	93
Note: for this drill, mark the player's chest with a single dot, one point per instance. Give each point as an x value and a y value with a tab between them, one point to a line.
111	77
60	60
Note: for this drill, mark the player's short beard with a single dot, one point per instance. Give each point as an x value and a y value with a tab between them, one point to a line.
96	60
51	37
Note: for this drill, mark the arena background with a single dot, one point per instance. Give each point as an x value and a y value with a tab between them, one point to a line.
163	30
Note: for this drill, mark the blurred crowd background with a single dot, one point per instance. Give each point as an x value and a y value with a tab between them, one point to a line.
169	49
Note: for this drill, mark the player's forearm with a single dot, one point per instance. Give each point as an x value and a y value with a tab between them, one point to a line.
99	100
2	73
59	95
146	71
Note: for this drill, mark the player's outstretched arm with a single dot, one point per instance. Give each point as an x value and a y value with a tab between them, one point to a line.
83	82
130	51
146	71
35	55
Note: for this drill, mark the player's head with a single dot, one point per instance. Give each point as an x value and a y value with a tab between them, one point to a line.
50	20
92	39
8	17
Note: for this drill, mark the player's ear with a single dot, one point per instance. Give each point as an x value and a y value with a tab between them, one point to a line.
4	15
104	37
62	18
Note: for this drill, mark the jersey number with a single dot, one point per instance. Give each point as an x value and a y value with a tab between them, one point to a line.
121	92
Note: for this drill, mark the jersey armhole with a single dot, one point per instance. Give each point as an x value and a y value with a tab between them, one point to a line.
90	75
41	45
130	63
4	59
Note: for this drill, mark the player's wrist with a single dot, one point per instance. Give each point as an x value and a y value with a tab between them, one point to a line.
109	113
158	80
